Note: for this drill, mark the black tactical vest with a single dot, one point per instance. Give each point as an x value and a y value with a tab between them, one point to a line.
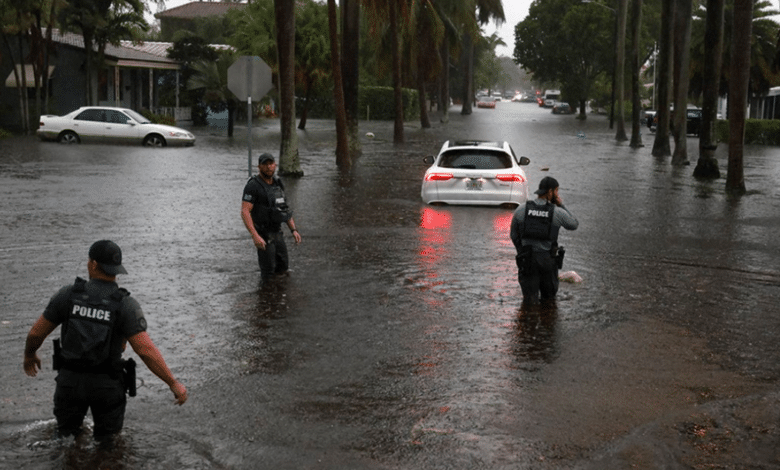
87	333
538	221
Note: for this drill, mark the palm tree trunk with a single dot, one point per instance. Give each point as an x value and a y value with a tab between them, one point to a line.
620	66
398	128
468	92
661	146
284	12
636	105
739	77
682	60
707	165
444	95
350	52
343	160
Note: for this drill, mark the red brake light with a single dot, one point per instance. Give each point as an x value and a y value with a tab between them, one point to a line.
513	178
438	176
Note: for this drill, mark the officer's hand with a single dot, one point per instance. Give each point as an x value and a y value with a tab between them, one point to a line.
259	242
296	236
32	365
180	392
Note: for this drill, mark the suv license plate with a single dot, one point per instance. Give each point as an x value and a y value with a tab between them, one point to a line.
473	185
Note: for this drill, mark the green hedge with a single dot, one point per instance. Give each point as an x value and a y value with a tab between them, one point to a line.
378	104
158	118
374	103
757	131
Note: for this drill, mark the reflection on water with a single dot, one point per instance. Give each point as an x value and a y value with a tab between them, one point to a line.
535	340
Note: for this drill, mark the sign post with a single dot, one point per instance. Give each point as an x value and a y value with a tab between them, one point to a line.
249	76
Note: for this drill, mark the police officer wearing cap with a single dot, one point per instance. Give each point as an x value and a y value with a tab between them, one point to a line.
264	209
98	318
534	232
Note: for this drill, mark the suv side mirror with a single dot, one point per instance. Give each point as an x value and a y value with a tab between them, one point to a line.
524	161
429	159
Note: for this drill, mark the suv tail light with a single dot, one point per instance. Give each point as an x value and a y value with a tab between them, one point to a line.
512	178
438	176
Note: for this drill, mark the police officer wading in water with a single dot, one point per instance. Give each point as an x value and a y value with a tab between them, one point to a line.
264	209
534	232
98	319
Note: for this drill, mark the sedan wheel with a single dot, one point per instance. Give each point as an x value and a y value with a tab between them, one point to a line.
68	138
154	140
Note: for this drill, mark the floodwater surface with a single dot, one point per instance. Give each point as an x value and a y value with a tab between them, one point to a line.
399	339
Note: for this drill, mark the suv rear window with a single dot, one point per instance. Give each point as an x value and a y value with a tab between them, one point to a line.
475	160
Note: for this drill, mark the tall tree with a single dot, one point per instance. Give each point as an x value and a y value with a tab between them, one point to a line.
312	52
100	22
395	38
343	157
636	105
569	43
707	164
738	91
350	57
620	69
210	77
682	59
661	146
289	162
428	31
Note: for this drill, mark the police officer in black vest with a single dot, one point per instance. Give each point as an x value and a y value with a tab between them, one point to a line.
534	232
264	209
98	318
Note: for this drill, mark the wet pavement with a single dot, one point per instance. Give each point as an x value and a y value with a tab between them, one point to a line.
398	340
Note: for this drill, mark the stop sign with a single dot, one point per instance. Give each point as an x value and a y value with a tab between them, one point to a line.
249	77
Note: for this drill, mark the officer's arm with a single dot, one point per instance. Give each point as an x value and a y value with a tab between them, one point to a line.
143	346
246	216
38	333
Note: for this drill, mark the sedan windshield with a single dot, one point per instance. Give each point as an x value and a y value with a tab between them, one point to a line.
140	119
475	160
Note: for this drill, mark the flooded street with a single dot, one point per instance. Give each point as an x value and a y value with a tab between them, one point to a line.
398	340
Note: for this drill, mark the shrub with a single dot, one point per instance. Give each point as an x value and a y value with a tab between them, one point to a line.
757	131
4	134
158	118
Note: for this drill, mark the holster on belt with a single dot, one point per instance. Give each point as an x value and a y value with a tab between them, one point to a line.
56	359
524	259
128	376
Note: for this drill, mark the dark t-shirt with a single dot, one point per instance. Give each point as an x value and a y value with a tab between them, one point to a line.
255	193
129	322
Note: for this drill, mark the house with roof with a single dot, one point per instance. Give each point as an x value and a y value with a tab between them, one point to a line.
184	16
129	77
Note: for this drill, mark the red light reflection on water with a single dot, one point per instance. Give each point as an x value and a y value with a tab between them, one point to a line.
435	240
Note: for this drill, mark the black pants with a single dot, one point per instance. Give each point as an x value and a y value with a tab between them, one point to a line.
538	276
78	392
274	259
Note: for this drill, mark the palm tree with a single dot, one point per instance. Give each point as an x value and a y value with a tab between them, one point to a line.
343	160
738	90
350	57
636	24
284	15
707	165
620	68
211	77
661	143
682	60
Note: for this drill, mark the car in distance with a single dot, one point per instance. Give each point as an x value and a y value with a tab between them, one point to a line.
110	124
693	121
475	172
561	108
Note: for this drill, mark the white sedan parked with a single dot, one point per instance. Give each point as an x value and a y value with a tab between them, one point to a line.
109	124
475	172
